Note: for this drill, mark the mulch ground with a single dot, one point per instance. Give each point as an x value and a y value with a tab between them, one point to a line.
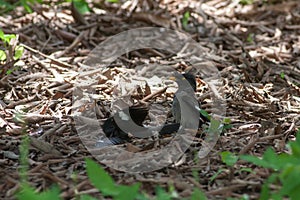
256	49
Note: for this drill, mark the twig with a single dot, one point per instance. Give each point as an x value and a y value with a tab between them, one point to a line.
56	61
256	140
225	189
77	40
155	94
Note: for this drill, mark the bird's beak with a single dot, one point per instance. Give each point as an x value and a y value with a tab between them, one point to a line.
173	78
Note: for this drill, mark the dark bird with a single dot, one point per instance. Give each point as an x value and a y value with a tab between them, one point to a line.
131	119
116	135
186	82
137	114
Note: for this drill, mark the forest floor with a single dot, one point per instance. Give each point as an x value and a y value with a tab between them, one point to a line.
254	49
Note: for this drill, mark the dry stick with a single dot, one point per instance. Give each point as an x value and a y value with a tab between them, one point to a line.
77	40
56	61
155	94
251	144
50	131
225	189
194	182
57	76
23	101
44	147
55	179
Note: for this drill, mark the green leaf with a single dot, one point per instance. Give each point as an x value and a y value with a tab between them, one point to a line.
161	194
127	192
229	158
205	114
265	191
1	34
87	197
142	196
195	174
290	179
24	151
112	1
215	175
6	37
19	50
51	194
269	160
198	195
82	6
215	126
255	160
227	126
226	121
246	2
295	146
26	6
28	192
246	169
101	179
282	75
5	5
8	72
250	38
185	19
245	197
2	55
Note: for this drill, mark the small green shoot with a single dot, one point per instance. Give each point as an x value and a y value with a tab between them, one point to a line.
195	174
215	127
10	52
82	6
6	38
185	20
106	185
87	197
229	158
112	1
205	114
246	2
250	38
226	124
24	151
162	194
5	5
19	50
198	195
28	192
2	55
244	197
286	171
27	4
282	75
216	175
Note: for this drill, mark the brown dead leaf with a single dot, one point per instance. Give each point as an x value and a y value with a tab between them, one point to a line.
44	146
147	89
70	37
58	95
2	122
132	148
151	18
